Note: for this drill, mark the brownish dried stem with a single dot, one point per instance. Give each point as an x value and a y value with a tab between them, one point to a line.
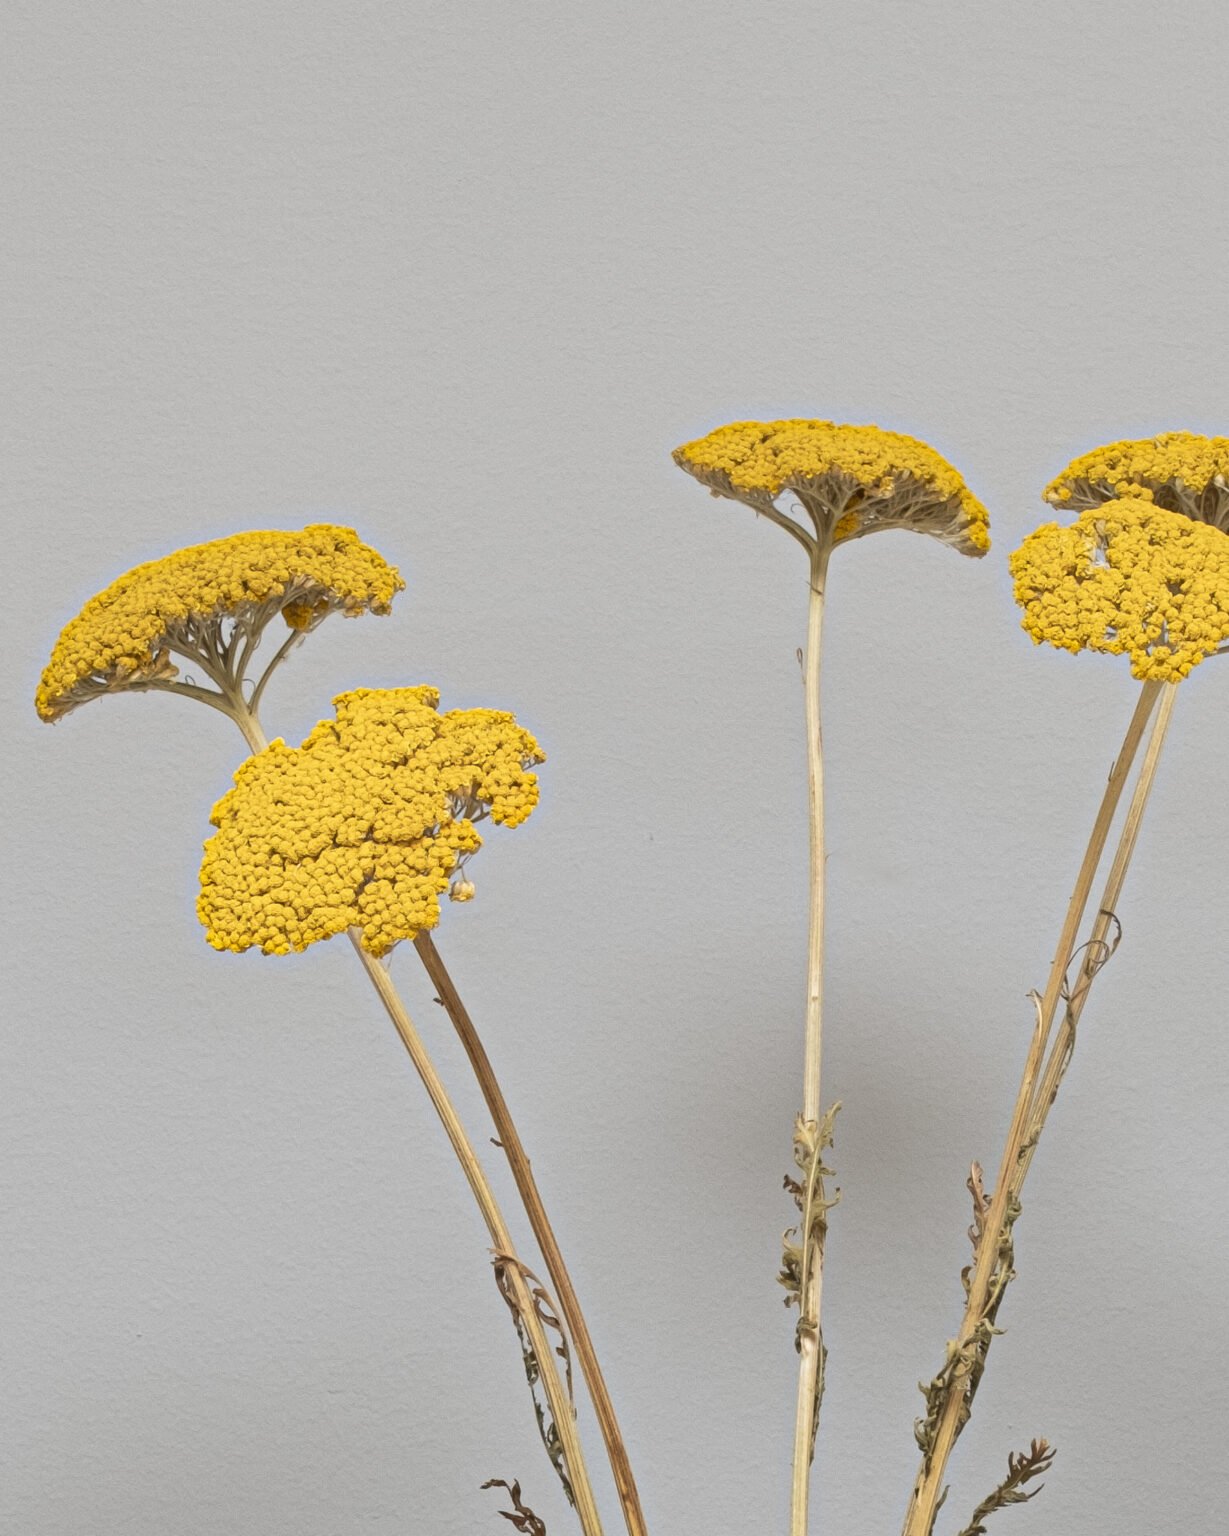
522	1173
562	1411
512	1271
1035	1084
1099	939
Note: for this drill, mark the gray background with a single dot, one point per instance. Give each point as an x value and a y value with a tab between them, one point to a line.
462	277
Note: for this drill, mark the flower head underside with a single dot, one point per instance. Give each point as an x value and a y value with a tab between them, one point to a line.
208	605
1180	471
850	480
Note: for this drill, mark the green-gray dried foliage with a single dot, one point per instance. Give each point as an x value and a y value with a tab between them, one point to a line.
1022	1467
547	1314
803	1245
965	1361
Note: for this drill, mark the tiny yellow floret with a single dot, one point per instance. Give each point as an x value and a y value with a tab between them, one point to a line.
851	480
1128	577
364	825
1180	471
125	636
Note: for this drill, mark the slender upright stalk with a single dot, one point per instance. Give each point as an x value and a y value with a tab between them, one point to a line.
815	807
562	1411
1096	950
522	1173
810	1336
1037	1089
561	1407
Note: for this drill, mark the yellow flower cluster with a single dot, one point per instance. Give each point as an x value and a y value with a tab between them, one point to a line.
1131	577
363	825
1180	471
852	480
121	638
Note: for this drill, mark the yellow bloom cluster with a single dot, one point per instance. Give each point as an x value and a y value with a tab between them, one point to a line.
1180	471
363	825
852	480
123	636
1131	577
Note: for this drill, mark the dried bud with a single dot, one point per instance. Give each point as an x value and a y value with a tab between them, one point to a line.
461	890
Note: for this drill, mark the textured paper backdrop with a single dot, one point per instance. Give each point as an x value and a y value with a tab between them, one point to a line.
462	277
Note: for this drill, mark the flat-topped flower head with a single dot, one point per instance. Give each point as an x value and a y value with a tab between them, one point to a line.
1180	471
209	604
364	825
851	480
1128	577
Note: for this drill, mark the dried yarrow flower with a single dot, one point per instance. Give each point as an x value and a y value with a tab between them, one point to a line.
209	604
1180	471
1128	577
847	481
851	480
364	825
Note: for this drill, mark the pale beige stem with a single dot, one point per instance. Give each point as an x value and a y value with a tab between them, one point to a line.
810	1337
1099	938
928	1487
561	1407
248	722
522	1173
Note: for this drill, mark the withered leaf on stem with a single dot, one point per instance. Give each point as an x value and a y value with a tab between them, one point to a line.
548	1316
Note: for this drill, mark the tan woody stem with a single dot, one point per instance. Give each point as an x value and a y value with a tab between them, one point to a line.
991	1269
512	1271
561	1407
1099	941
809	1335
522	1173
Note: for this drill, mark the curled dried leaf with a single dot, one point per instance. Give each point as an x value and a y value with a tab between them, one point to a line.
521	1516
548	1315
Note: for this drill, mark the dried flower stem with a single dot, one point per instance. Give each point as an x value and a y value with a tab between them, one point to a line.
809	1335
522	1173
248	722
1038	1086
511	1270
1099	939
